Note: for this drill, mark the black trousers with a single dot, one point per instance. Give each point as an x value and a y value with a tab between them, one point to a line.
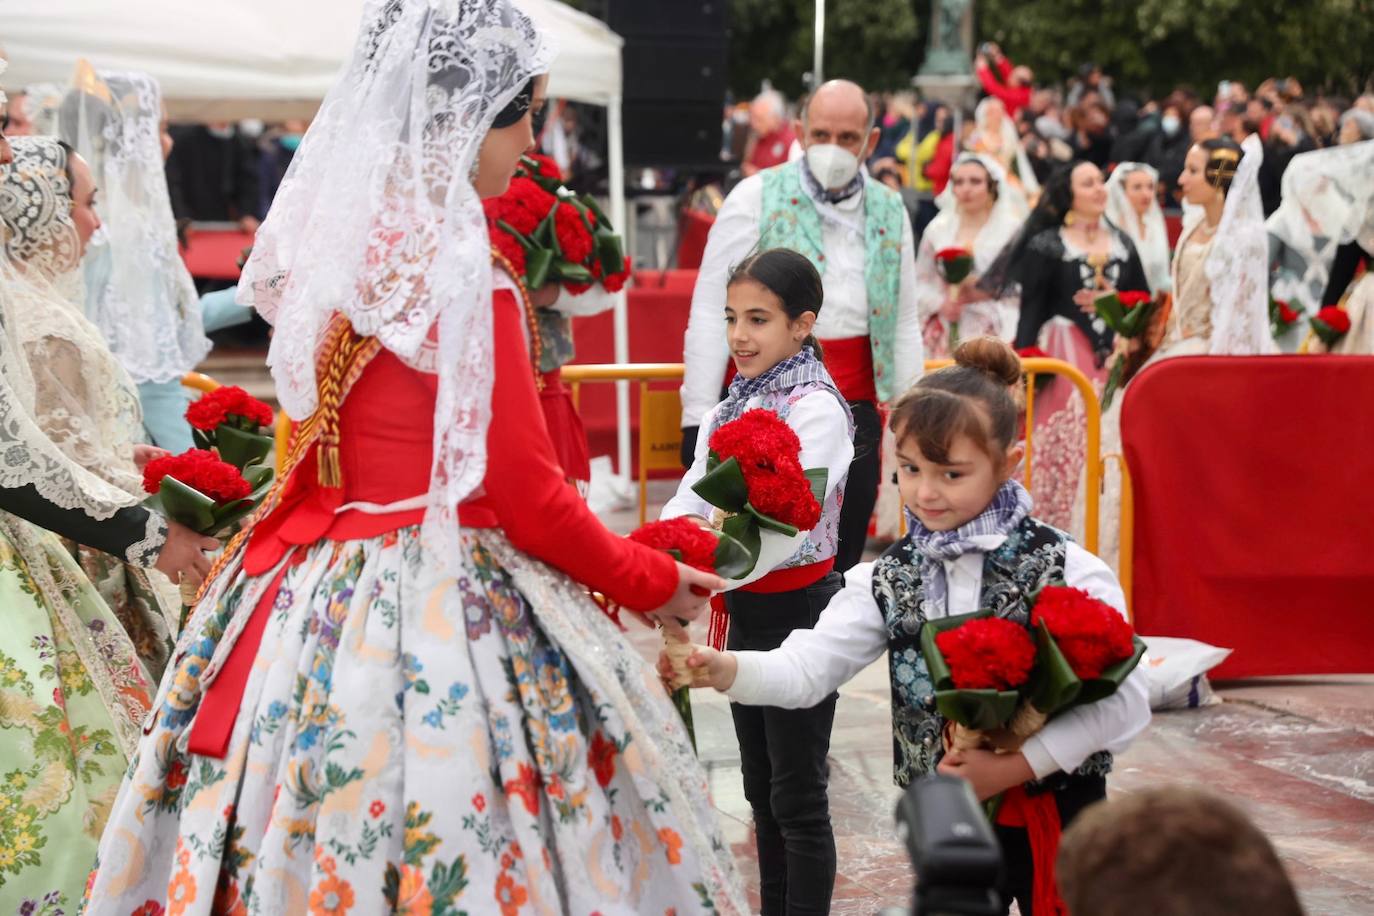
1073	794
783	759
861	488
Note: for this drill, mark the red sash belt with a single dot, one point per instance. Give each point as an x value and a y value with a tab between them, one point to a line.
1039	816
850	363
779	580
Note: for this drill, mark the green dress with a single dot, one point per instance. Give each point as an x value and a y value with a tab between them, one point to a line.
73	696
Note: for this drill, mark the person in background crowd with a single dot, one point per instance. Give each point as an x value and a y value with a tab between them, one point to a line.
771	133
19	123
918	151
1167	149
1090	79
1171	851
1357	126
856	233
1202	123
995	135
1133	206
276	149
1010	84
1092	138
212	175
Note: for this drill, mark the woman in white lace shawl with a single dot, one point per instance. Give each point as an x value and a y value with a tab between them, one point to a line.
83	399
995	135
138	291
1133	207
73	693
1220	281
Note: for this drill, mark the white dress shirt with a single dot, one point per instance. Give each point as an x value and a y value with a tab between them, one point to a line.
844	312
820	423
850	635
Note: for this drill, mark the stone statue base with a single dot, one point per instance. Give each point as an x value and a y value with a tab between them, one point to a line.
957	91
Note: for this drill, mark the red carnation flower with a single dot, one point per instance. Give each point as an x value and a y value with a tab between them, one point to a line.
1336	318
544	166
1090	633
768	452
200	470
695	545
951	254
614	283
507	244
574	240
523	207
1287	314
212	409
1132	298
988	653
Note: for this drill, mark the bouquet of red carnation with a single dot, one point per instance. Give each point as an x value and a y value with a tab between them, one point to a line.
702	549
754	476
1128	314
1042	378
205	494
551	235
234	424
1331	324
1282	316
980	665
1091	639
954	265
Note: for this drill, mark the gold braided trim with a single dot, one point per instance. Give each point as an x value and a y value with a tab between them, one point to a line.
343	357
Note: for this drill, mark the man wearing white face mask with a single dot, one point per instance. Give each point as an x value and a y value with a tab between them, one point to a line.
856	233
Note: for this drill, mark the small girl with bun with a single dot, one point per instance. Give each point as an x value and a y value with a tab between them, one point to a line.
972	544
773	298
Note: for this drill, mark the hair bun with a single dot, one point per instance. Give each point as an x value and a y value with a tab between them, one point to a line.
992	356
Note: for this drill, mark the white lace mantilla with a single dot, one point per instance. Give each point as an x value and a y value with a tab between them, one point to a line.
1238	265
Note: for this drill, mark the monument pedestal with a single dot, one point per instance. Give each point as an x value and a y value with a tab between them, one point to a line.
959	91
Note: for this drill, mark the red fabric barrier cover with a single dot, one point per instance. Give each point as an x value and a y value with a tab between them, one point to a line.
213	254
1254	495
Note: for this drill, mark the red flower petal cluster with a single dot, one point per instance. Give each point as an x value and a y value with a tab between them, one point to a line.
769	454
696	546
200	470
544	166
616	281
1090	633
952	254
574	239
212	409
509	246
1132	298
988	653
1032	353
1335	318
1287	314
523	207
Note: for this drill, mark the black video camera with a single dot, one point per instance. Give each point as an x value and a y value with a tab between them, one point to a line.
953	850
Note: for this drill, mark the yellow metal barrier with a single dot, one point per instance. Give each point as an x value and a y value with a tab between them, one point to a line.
646	372
199	382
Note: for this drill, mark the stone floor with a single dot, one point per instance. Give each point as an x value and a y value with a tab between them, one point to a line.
1297	754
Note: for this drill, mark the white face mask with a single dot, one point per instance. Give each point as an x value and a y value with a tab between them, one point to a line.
1169	124
833	166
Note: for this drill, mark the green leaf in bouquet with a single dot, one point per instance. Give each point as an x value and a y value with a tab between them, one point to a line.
611	252
525	243
584	212
547	234
980	709
935	659
723	486
1097	688
1113	381
769	523
203	439
241	448
1136	320
1109	308
185	505
537	267
744	529
1054	686
572	273
602	222
732	558
818	477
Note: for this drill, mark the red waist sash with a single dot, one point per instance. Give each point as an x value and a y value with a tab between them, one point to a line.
850	363
779	580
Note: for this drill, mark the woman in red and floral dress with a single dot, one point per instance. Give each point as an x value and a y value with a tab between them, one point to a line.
395	693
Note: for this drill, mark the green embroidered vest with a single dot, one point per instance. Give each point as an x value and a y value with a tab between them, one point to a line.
790	220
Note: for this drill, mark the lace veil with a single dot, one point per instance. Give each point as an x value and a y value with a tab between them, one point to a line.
83	399
378	220
27	456
1011	140
1328	201
1153	246
1005	218
1237	265
138	291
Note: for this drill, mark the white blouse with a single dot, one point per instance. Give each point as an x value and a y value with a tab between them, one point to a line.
851	634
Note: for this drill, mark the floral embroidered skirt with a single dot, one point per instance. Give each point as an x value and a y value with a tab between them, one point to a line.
71	696
408	742
146	603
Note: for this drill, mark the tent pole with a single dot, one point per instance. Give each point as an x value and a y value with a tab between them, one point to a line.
615	142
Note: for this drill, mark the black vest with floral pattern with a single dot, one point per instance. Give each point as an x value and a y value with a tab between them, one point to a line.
1030	558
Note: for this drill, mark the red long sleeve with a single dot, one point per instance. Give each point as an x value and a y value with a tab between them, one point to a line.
540	513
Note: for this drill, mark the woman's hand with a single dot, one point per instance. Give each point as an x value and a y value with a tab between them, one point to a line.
145	453
184	553
952	309
1085	298
988	772
545	296
694	589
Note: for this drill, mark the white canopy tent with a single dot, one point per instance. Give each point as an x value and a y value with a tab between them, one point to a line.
273	60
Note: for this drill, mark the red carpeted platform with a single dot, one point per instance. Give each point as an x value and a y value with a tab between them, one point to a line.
213	254
1254	493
